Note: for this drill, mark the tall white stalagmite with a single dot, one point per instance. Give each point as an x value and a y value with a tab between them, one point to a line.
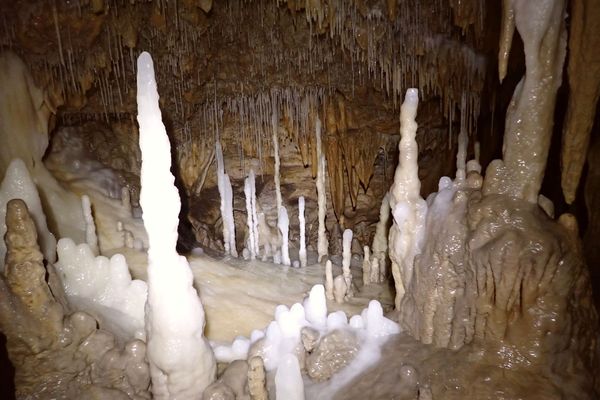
90	227
254	212
322	243
302	221
408	207
226	193
346	258
251	242
284	228
181	361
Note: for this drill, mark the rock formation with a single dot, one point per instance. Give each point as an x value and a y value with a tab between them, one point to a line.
60	355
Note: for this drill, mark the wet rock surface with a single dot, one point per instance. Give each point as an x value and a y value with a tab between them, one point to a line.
57	355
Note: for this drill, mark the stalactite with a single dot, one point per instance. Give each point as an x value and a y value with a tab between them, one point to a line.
529	119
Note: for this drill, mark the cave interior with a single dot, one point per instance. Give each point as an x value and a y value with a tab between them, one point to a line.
392	197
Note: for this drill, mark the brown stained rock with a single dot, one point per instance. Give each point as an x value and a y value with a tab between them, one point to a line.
510	280
584	84
257	380
56	355
26	290
231	385
334	351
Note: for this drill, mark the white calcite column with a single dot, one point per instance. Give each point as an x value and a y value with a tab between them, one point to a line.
284	228
90	227
322	243
181	361
408	207
254	212
302	222
251	215
226	193
346	258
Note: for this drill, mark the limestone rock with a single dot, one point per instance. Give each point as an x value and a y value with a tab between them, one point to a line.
56	355
334	351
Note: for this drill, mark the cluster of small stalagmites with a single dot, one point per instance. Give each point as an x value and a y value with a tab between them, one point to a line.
55	354
320	357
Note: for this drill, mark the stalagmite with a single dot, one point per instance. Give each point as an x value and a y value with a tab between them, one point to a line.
103	288
257	380
529	118
376	276
340	289
251	216
90	227
408	208
329	280
322	244
252	178
284	227
366	266
288	379
380	240
181	361
25	111
302	222
461	156
346	258
315	307
17	184
226	193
